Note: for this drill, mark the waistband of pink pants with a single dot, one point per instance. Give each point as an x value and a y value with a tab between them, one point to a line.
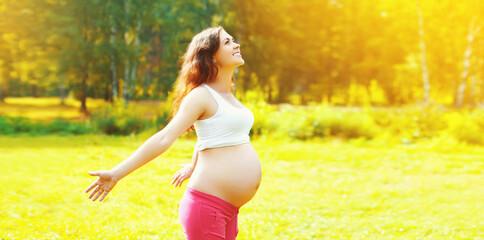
213	200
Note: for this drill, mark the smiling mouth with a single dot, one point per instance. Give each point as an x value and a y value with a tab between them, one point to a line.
237	54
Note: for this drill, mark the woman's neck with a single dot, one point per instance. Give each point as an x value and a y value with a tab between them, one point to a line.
223	81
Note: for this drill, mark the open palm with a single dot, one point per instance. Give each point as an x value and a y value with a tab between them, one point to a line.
103	185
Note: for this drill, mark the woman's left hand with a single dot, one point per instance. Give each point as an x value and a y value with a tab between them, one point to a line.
182	175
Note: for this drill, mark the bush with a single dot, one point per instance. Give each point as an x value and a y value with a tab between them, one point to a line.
15	125
344	123
115	119
467	127
64	126
313	122
263	118
406	124
5	125
411	123
120	120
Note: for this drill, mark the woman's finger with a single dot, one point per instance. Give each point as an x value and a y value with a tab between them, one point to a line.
94	192
98	194
174	175
173	179
104	195
177	180
178	174
91	187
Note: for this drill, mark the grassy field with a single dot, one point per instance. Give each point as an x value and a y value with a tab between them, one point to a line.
309	190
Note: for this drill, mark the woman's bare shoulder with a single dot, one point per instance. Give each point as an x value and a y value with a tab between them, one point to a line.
198	94
198	97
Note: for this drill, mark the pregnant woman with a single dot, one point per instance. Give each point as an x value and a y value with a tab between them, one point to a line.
225	172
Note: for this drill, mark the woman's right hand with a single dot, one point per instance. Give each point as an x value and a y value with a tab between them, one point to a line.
182	175
104	184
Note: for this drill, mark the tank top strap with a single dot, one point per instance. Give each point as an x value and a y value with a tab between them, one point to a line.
215	94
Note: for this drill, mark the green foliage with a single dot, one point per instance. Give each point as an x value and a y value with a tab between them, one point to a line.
312	122
408	124
263	120
120	120
15	125
467	126
344	123
411	123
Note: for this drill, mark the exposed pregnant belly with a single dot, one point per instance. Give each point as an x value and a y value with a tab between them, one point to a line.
232	173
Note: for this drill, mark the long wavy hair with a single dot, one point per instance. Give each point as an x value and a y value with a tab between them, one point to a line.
198	66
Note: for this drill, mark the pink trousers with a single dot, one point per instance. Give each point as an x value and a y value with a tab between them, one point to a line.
206	217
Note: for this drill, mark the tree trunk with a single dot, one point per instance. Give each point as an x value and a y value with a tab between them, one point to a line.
329	90
85	75
62	90
425	72
3	84
34	91
106	92
147	82
127	62
482	91
114	74
126	81
84	68
269	93
459	101
473	90
7	68
2	95
480	65
134	70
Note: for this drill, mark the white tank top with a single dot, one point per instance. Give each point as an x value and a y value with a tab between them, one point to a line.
230	125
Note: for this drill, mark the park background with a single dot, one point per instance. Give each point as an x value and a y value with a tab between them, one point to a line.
369	115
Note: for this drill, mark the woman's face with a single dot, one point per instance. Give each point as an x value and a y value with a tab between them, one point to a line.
228	54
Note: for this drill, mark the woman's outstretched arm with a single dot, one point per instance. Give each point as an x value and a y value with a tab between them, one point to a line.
191	108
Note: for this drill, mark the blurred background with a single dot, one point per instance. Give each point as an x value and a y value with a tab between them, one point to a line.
82	61
344	52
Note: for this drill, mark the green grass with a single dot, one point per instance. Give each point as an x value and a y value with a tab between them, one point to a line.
309	190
